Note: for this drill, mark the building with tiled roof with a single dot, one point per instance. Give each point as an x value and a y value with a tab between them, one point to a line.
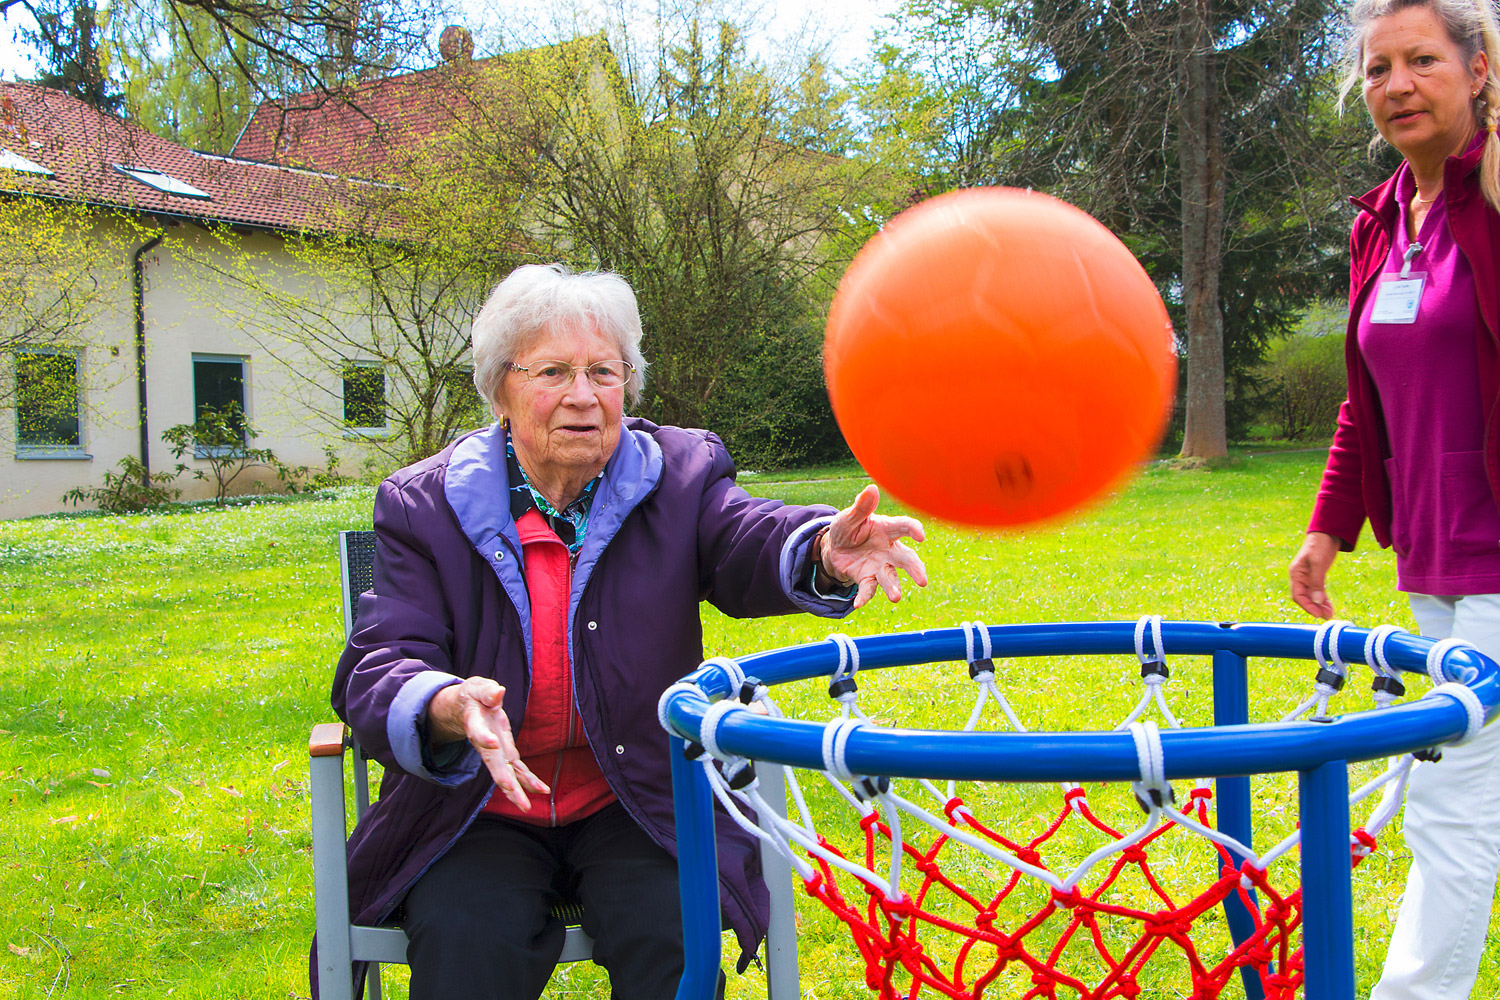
159	322
383	128
79	154
174	323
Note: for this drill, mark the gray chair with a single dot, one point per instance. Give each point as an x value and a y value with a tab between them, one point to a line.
342	943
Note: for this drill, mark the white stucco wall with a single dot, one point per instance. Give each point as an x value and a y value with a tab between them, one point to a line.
293	398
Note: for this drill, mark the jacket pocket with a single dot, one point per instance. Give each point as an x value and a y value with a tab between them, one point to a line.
1467	506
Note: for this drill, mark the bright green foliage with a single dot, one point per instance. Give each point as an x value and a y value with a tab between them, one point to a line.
60	266
1306	380
364	395
718	187
185	78
380	303
939	105
162	673
194	69
128	490
47	398
221	437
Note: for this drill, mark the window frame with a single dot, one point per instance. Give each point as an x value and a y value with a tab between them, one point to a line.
222	451
358	431
65	452
13	161
167	184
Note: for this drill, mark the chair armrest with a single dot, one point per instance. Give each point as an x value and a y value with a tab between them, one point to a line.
327	740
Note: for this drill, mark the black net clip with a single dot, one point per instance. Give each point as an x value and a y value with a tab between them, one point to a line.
692	751
867	788
842	686
1157	799
984	666
1155	667
1388	684
1429	754
748	690
741	774
1330	677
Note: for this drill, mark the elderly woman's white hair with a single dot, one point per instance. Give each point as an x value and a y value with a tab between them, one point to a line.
536	298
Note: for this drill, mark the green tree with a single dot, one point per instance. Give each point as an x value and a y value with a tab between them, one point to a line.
370	318
185	78
68	37
1201	132
720	190
193	69
60	266
1306	382
222	438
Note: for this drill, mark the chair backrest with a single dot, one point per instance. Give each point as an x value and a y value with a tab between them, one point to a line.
356	571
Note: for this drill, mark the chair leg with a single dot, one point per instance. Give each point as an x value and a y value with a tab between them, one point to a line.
330	879
372	981
781	936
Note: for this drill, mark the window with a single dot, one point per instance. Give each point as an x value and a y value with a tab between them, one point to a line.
364	395
165	183
20	164
47	410
219	385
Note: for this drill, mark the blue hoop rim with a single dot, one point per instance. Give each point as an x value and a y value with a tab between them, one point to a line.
1212	751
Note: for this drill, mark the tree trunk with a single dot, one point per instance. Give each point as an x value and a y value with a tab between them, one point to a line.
1202	159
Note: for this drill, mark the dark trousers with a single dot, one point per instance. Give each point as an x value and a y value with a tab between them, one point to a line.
479	925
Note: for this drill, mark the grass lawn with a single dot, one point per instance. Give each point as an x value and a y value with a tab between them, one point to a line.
159	674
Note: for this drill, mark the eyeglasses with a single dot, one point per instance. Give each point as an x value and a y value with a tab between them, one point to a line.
556	374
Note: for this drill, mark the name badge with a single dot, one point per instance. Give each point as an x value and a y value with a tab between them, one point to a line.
1397	298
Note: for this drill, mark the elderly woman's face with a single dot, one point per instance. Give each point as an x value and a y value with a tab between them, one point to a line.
1418	84
567	432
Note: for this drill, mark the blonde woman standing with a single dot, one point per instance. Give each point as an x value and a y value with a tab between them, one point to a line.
1417	449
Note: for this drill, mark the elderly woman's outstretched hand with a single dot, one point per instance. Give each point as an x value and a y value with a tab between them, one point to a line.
869	548
471	711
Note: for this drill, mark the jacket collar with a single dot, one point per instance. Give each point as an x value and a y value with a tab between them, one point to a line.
1381	201
476	483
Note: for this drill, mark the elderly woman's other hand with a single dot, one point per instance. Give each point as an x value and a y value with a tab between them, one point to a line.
471	711
865	547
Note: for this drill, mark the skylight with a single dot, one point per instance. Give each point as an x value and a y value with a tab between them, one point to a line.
165	183
14	161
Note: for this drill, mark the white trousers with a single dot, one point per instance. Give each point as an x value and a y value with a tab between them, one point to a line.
1452	825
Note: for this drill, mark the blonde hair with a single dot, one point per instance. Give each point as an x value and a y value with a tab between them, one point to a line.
1472	26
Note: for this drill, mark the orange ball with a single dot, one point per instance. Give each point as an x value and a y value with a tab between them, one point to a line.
997	357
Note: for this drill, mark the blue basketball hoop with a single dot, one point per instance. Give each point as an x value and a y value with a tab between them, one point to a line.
1466	694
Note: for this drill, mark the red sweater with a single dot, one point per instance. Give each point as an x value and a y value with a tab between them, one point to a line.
551	738
1354	486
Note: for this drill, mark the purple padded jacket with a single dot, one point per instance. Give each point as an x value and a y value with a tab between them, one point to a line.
668	528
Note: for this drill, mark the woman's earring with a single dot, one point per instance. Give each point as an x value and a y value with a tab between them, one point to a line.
504	422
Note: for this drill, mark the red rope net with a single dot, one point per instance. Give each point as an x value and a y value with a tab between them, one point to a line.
945	939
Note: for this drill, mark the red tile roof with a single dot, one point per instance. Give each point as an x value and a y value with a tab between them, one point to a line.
82	146
356	132
382	127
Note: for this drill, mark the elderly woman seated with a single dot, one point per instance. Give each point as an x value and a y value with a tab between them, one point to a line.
536	588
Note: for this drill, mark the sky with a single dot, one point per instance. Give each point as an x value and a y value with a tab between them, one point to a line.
848	25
